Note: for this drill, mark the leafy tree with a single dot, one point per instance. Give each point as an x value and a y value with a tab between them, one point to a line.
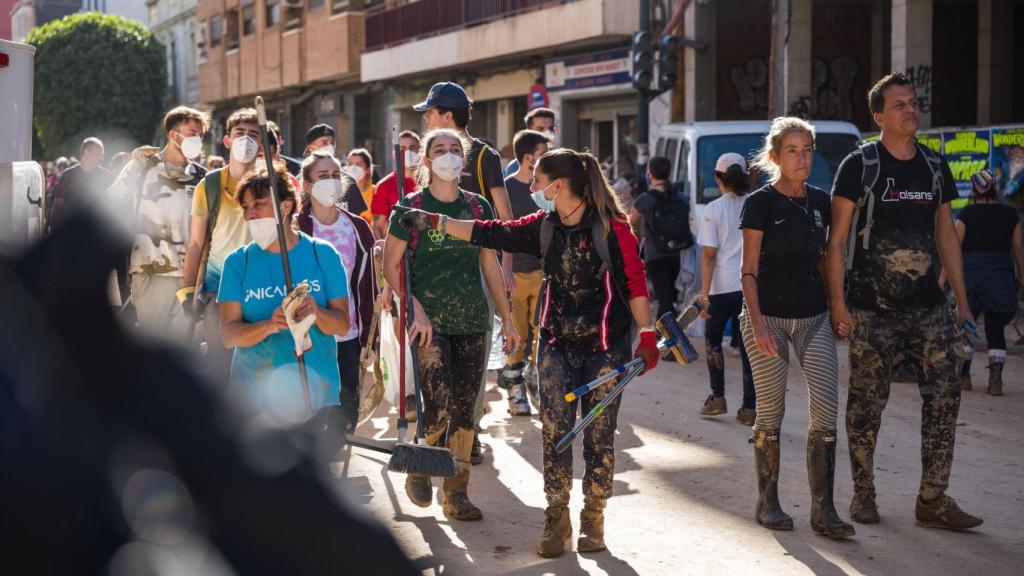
96	74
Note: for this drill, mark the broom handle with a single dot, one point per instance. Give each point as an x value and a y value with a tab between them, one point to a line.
598	409
282	245
403	299
415	360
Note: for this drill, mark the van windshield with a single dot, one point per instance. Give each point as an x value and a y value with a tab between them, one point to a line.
830	149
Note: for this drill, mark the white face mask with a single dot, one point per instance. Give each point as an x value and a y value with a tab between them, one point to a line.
244	149
191	146
448	167
356	171
412	158
263	231
326	149
327	192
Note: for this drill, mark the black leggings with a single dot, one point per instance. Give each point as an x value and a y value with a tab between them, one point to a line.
995	326
348	365
663	272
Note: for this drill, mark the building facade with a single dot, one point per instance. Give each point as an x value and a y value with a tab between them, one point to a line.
27	14
5	18
174	23
302	57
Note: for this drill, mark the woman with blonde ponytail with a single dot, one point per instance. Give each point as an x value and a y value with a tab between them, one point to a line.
595	292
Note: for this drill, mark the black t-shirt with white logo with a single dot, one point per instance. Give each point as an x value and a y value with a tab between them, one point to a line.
795	231
899	270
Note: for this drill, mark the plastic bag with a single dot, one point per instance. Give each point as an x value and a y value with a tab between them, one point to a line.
389	360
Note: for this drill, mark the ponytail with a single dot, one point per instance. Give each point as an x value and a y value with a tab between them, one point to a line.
586	180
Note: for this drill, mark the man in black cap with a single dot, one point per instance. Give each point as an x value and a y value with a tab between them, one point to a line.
448	106
320	137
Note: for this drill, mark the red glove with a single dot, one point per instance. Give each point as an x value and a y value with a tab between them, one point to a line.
648	350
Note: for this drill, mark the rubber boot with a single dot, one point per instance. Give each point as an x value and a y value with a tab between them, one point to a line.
965	377
532	383
592	525
995	378
518	403
418	489
821	471
456	497
557	531
766	460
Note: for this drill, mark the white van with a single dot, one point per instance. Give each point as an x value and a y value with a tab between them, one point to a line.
21	180
694	148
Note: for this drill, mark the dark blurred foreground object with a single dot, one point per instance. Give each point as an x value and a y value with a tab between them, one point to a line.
116	459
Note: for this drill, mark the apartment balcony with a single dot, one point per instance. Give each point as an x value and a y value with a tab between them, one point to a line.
416	37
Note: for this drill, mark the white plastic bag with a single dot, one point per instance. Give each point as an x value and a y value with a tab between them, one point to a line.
389	360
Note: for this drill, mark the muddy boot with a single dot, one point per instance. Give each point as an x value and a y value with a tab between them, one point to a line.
557	531
943	512
821	471
965	376
863	509
418	488
766	459
532	383
995	378
746	416
714	406
476	454
518	403
510	375
456	498
410	408
592	525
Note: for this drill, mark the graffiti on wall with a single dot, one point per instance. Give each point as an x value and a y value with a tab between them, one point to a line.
832	96
750	80
921	78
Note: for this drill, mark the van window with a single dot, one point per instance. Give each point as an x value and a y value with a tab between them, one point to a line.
830	149
670	152
659	148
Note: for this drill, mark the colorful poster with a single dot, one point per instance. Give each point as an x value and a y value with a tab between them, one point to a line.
1008	159
966	151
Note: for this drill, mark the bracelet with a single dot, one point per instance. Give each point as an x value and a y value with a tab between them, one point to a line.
648	328
751	274
443	224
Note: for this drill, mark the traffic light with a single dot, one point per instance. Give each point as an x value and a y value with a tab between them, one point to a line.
643	61
668	60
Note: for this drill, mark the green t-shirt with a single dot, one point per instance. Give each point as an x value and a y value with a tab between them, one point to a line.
446	276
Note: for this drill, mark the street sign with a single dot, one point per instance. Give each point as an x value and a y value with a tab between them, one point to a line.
538	97
606	68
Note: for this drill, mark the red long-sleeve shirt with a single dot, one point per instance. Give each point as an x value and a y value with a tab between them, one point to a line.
582	310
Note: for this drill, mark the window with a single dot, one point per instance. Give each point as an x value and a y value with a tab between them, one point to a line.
231	29
200	36
273	13
215	31
339	6
312	5
292	14
248	20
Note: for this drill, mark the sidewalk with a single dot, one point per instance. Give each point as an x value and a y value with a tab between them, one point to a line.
685	490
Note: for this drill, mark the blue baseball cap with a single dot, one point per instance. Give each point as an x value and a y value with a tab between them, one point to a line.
445	95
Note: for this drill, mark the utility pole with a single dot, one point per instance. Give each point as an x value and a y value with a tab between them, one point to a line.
643	109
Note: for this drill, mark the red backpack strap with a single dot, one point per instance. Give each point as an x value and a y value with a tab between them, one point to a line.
474	205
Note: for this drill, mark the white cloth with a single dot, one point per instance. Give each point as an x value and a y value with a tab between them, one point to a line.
720	228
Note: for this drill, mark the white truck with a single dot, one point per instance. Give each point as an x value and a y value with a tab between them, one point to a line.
22	183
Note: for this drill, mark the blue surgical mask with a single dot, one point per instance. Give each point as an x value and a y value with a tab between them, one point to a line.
541	201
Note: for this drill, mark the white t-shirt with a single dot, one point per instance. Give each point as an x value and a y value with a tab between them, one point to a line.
720	229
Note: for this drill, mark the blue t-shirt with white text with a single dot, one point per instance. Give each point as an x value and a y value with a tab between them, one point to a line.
267	372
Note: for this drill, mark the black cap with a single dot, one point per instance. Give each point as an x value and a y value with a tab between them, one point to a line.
318	131
445	95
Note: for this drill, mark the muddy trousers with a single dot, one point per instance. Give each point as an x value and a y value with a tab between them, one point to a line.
815	350
558	376
451	368
928	341
724	307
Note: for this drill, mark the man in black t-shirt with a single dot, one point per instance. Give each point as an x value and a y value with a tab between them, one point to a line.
896	309
82	181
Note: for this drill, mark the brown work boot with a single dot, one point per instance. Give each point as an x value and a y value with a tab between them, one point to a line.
995	378
456	496
714	406
944	513
965	377
863	509
592	525
557	531
418	488
746	416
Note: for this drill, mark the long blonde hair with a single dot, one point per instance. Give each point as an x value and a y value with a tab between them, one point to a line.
781	126
586	180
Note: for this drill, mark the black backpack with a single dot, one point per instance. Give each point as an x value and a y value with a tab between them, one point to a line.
668	222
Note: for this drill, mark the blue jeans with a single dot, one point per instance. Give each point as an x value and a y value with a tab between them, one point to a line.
724	307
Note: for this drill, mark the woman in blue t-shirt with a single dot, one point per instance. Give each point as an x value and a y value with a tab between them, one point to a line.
785	227
264	367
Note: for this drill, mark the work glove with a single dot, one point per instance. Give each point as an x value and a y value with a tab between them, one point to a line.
414	219
647	349
187	298
298	328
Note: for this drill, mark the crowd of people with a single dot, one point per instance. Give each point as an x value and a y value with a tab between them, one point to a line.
542	259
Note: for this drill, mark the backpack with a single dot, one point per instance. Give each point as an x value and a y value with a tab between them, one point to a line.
416	201
668	222
870	170
212	180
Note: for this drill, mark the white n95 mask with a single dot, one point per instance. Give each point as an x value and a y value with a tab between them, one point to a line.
327	192
263	231
448	167
244	149
412	158
355	171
